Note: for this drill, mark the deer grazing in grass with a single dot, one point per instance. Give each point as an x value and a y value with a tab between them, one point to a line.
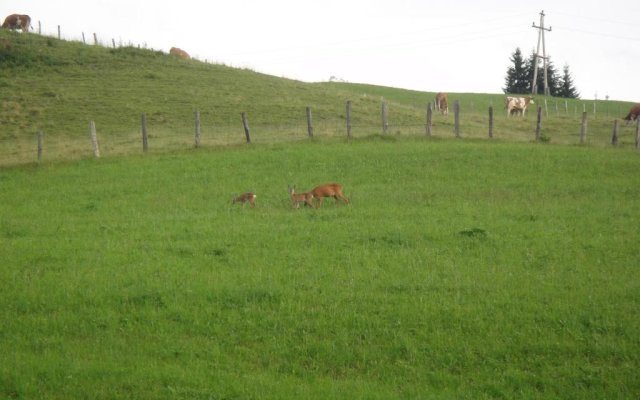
245	198
329	190
297	198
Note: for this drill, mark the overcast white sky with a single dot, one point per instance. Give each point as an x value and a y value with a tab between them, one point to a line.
453	46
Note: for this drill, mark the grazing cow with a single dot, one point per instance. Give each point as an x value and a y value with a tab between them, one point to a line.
634	113
179	53
17	21
519	104
442	103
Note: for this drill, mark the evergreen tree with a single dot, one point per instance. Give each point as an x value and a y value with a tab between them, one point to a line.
520	77
567	88
552	76
516	79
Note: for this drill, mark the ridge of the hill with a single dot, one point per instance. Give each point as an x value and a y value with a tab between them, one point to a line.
59	85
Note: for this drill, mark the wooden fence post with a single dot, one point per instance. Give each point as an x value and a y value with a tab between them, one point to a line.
145	138
349	118
40	144
637	133
95	39
385	117
583	128
456	112
309	123
490	122
539	124
198	131
614	137
113	42
39	28
59	35
83	40
94	139
245	124
429	119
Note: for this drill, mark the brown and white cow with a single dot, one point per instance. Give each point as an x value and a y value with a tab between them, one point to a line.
634	113
179	52
517	104
17	21
442	103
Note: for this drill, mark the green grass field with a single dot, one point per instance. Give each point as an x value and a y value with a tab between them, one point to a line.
462	269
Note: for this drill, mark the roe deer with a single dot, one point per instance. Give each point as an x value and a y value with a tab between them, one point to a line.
244	198
329	190
297	198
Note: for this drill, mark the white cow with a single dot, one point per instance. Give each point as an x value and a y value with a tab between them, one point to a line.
519	104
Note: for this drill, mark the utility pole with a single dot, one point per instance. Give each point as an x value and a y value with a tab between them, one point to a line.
534	84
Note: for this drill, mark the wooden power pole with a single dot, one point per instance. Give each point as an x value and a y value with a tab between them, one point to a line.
534	85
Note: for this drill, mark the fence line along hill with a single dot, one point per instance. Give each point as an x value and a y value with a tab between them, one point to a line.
53	90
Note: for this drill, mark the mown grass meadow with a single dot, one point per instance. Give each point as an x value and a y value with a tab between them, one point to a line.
462	269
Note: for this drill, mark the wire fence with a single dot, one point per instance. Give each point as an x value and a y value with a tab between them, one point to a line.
95	38
567	129
88	38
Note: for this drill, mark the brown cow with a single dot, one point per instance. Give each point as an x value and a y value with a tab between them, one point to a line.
442	103
634	113
179	53
17	21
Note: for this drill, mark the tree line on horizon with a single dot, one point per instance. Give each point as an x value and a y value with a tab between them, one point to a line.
520	77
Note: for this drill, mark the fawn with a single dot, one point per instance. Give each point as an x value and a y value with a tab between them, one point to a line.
244	198
297	198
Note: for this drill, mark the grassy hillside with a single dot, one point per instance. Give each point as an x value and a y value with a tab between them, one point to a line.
462	269
58	87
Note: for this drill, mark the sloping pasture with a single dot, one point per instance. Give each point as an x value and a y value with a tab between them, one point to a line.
57	87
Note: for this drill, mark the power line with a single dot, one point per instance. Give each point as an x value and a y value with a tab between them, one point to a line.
636	39
601	20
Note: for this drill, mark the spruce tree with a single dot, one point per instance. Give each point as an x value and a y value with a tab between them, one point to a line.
552	76
567	88
516	79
